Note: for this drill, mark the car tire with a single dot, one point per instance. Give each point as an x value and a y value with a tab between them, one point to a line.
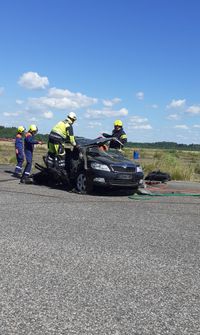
83	184
135	189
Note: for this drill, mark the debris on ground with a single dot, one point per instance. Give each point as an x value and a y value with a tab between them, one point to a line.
158	176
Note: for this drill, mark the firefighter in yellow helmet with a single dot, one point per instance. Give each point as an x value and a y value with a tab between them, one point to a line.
29	143
119	133
19	151
60	134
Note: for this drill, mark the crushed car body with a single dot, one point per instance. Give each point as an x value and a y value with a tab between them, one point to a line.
91	163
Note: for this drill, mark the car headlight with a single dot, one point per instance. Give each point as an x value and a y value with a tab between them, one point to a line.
138	169
98	166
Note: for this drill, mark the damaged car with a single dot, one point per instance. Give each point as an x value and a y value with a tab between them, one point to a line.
89	165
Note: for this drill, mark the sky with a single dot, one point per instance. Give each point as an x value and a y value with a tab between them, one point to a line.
133	60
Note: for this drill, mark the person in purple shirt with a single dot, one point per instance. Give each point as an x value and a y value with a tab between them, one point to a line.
29	143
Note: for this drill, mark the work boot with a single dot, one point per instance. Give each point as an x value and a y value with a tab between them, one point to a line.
17	175
26	180
22	180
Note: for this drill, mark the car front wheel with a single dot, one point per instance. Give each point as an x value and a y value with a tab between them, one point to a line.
83	185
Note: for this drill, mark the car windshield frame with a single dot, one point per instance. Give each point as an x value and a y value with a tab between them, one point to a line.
86	142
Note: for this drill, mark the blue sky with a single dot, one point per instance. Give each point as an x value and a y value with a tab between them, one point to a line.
134	60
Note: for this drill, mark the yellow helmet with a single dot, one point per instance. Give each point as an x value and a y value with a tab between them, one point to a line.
118	123
33	127
20	129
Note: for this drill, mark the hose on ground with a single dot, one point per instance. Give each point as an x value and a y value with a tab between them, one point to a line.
149	195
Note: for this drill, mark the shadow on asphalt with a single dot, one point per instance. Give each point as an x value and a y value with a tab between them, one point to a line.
169	187
10	172
96	192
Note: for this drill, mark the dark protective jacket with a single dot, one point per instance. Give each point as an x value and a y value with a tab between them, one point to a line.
29	142
120	135
19	144
19	150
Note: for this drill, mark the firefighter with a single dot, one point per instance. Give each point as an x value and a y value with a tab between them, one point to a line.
19	151
29	143
119	133
60	134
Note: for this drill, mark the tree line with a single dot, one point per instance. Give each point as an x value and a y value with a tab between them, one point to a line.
10	133
164	145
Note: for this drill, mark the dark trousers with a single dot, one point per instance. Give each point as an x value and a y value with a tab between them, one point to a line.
20	160
29	159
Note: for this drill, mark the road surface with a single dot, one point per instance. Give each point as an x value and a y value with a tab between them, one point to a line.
106	265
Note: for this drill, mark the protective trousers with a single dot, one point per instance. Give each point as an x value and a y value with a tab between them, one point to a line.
29	158
57	150
20	160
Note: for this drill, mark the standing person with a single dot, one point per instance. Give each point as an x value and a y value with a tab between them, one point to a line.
29	142
119	133
61	133
19	151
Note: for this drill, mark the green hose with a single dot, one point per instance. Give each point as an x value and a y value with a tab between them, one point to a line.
147	196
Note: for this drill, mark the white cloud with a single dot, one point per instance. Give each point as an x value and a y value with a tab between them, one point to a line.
7	114
173	117
33	81
138	119
62	99
141	126
183	138
140	95
93	124
176	103
48	114
195	109
181	126
196	125
154	106
33	119
111	103
19	102
137	122
2	90
95	114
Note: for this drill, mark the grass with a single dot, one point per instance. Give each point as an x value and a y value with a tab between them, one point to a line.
180	164
7	154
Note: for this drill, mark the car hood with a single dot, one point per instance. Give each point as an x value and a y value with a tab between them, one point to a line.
110	159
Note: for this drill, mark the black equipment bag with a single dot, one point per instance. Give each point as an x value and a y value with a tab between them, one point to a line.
158	176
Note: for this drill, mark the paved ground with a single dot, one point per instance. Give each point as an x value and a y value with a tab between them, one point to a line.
86	265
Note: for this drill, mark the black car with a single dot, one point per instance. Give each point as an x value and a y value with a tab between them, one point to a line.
92	163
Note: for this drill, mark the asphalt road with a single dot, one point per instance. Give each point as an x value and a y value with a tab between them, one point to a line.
106	265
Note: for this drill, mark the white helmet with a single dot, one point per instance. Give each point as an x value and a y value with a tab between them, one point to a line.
72	116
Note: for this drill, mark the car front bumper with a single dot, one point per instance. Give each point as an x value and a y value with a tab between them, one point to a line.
114	179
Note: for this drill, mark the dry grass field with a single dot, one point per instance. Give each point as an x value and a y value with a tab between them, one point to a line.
7	153
182	165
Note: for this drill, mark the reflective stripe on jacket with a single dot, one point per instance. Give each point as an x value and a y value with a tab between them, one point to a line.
120	135
62	129
65	130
